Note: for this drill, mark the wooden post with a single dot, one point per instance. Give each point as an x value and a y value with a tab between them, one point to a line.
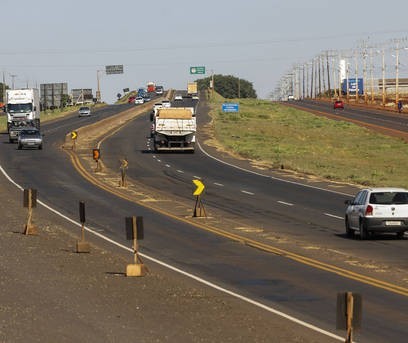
350	304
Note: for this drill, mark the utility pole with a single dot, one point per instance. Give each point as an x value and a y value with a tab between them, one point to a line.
98	92
383	77
320	83
311	80
397	73
365	74
356	80
13	76
328	73
371	75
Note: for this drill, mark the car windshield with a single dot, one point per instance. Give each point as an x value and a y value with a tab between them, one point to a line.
30	133
19	108
389	198
84	109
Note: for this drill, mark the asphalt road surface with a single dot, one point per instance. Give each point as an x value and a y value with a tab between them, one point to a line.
299	290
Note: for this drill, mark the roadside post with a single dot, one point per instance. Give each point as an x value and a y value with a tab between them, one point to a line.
349	313
199	210
135	232
82	246
123	167
96	155
74	136
30	201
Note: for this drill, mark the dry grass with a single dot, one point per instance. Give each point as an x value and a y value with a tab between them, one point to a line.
279	136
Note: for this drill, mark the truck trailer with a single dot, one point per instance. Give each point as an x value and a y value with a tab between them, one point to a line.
192	88
174	129
22	107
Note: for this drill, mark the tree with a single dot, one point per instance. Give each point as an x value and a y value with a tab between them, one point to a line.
228	86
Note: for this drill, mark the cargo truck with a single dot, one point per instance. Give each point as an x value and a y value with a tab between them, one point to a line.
22	107
151	87
192	88
174	129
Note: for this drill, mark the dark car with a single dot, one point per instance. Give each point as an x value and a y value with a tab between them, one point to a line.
30	138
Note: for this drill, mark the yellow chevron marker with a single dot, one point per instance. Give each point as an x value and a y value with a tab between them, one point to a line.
74	135
200	187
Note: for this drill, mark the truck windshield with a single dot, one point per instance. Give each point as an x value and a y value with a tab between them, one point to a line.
19	108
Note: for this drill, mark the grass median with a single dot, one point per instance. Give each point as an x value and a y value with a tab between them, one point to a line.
277	136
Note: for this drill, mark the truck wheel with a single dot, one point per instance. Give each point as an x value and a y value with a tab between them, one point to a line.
40	147
400	235
19	147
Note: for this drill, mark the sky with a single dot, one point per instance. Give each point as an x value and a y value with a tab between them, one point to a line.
47	41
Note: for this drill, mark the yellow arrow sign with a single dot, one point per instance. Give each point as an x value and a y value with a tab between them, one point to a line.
200	187
74	135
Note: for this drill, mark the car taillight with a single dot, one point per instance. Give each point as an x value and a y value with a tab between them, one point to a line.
369	210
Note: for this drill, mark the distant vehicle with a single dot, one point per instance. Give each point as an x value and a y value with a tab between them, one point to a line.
131	99
159	90
195	97
23	105
146	97
141	92
139	100
383	210
84	111
192	88
151	87
15	129
338	105
178	97
291	98
166	103
30	138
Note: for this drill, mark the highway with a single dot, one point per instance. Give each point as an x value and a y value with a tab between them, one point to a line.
294	210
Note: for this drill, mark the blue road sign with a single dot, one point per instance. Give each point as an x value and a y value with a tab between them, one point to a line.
230	107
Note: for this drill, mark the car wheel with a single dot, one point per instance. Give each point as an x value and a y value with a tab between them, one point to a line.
40	147
400	235
363	231
349	231
19	147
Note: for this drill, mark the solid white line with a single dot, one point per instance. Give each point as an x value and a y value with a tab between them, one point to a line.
268	176
246	192
192	276
333	216
285	203
167	165
218	184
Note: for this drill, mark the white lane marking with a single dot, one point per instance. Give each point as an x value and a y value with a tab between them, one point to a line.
180	171
246	192
192	276
158	160
218	184
268	176
333	216
197	177
154	156
285	203
167	165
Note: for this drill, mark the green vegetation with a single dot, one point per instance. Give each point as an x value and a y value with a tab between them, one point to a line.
229	87
278	137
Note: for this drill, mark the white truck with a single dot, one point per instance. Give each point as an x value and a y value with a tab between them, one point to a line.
22	107
174	129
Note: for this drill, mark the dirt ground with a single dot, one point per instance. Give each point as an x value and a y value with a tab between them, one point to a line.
50	293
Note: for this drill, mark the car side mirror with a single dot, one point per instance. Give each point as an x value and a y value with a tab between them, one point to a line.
348	202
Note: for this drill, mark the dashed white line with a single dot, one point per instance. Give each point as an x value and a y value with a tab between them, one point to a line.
158	160
197	177
333	216
246	192
167	165
285	203
180	171
218	184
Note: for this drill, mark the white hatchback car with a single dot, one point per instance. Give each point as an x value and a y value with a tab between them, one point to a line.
84	111
383	210
166	103
178	97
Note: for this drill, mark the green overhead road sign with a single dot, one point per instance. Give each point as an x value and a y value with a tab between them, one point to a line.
197	70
